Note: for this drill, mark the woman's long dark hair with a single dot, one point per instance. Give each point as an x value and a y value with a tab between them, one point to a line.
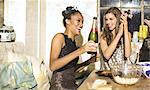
107	34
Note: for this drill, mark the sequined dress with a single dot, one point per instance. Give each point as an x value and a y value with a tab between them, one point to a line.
64	78
116	59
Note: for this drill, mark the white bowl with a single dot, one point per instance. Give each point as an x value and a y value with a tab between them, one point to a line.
126	75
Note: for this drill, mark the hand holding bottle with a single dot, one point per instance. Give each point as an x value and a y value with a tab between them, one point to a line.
90	46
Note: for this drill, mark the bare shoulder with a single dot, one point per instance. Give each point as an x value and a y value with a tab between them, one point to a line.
58	40
102	38
103	42
58	37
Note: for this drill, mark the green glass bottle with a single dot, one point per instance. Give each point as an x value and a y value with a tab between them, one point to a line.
93	35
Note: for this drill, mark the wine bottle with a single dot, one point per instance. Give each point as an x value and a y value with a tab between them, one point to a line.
93	35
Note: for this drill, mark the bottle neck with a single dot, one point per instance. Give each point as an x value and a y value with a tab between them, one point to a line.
94	30
94	26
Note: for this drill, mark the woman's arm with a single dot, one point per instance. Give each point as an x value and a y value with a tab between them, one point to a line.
57	43
86	63
108	50
127	36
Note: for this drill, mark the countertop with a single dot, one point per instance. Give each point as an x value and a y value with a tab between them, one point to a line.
142	84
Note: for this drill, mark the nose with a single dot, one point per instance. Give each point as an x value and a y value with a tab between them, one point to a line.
81	25
107	21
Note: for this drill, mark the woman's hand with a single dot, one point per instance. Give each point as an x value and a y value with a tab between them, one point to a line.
124	18
124	23
90	46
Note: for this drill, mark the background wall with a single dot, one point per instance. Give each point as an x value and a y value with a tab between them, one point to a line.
15	15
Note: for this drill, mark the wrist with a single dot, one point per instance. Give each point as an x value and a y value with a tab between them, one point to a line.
82	49
119	35
126	24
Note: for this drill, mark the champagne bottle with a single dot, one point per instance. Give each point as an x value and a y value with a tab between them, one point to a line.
93	35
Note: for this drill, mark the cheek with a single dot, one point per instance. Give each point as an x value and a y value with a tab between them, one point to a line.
115	23
77	23
74	23
106	22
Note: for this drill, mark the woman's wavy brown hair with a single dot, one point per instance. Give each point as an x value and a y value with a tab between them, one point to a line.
107	34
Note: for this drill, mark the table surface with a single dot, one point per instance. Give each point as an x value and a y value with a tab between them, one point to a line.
142	84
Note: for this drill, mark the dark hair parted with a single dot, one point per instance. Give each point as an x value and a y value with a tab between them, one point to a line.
107	34
70	10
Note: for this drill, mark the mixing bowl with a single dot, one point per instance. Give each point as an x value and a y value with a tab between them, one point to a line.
126	74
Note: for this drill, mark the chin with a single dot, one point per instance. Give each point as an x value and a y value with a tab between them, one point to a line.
78	33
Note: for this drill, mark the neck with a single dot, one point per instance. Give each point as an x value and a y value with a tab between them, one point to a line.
114	34
69	34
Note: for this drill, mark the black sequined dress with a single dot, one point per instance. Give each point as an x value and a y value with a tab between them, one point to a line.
64	78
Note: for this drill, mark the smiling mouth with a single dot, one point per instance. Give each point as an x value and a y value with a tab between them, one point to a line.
79	29
110	27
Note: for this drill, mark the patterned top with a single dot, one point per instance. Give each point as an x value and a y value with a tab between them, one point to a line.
64	78
116	58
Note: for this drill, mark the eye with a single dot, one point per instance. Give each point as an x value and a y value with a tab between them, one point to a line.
111	19
80	20
106	19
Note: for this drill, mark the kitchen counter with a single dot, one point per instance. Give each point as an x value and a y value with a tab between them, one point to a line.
143	83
